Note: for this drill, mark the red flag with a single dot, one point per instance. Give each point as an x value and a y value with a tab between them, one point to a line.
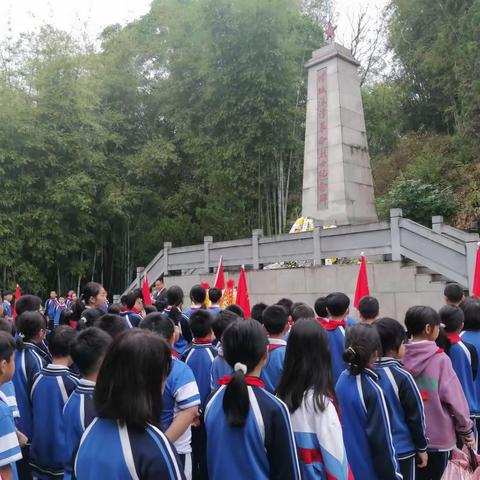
242	299
147	298
476	277
18	294
219	279
361	289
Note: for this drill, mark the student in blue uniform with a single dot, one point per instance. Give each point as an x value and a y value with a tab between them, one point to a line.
220	367
199	357
181	397
8	388
365	422
174	311
337	305
463	355
275	321
405	405
59	309
198	297
28	362
215	295
125	440
10	451
471	335
7	305
87	351
306	388
249	434
368	309
50	392
134	306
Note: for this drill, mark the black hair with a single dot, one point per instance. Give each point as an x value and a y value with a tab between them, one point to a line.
7	346
275	318
112	324
60	341
138	292
302	311
257	311
214	294
130	299
392	334
90	290
236	310
88	349
418	317
123	299
175	296
452	318
75	312
361	342
221	321
200	322
286	303
244	342
115	308
88	317
28	303
29	325
453	292
368	307
7	326
337	304
321	307
302	372
198	294
130	380
471	309
150	308
158	323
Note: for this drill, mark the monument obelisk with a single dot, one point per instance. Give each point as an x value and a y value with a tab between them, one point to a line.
337	178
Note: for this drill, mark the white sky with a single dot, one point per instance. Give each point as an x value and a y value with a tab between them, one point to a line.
92	16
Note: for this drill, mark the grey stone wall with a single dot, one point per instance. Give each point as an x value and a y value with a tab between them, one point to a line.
396	286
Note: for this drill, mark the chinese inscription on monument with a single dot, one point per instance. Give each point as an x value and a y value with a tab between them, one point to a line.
322	140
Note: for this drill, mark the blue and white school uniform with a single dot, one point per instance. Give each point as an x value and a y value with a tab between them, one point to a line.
199	357
78	414
264	448
185	333
214	309
50	392
272	371
58	312
464	359
7	308
473	338
406	412
336	342
8	389
110	450
50	307
319	440
181	392
219	369
132	319
366	427
28	363
9	447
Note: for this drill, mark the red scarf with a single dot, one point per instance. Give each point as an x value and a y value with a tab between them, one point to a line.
176	354
252	381
274	346
202	341
332	324
453	337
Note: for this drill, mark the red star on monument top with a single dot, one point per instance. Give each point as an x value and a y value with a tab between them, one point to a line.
330	32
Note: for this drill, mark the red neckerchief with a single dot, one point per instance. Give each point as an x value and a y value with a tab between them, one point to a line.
133	310
202	341
175	354
453	337
274	346
330	325
252	381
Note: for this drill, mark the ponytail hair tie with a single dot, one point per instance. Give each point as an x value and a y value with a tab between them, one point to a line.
350	349
21	335
240	367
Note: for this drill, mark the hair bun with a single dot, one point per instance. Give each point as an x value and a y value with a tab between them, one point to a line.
240	367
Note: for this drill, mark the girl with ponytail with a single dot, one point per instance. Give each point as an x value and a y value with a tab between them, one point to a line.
365	421
249	434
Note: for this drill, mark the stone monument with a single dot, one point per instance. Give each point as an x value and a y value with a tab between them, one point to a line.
337	178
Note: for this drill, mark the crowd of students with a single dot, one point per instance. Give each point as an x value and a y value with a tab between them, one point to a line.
134	391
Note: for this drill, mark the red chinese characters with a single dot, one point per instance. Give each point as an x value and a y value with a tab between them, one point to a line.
322	140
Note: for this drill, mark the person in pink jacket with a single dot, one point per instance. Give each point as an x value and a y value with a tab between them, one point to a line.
446	410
